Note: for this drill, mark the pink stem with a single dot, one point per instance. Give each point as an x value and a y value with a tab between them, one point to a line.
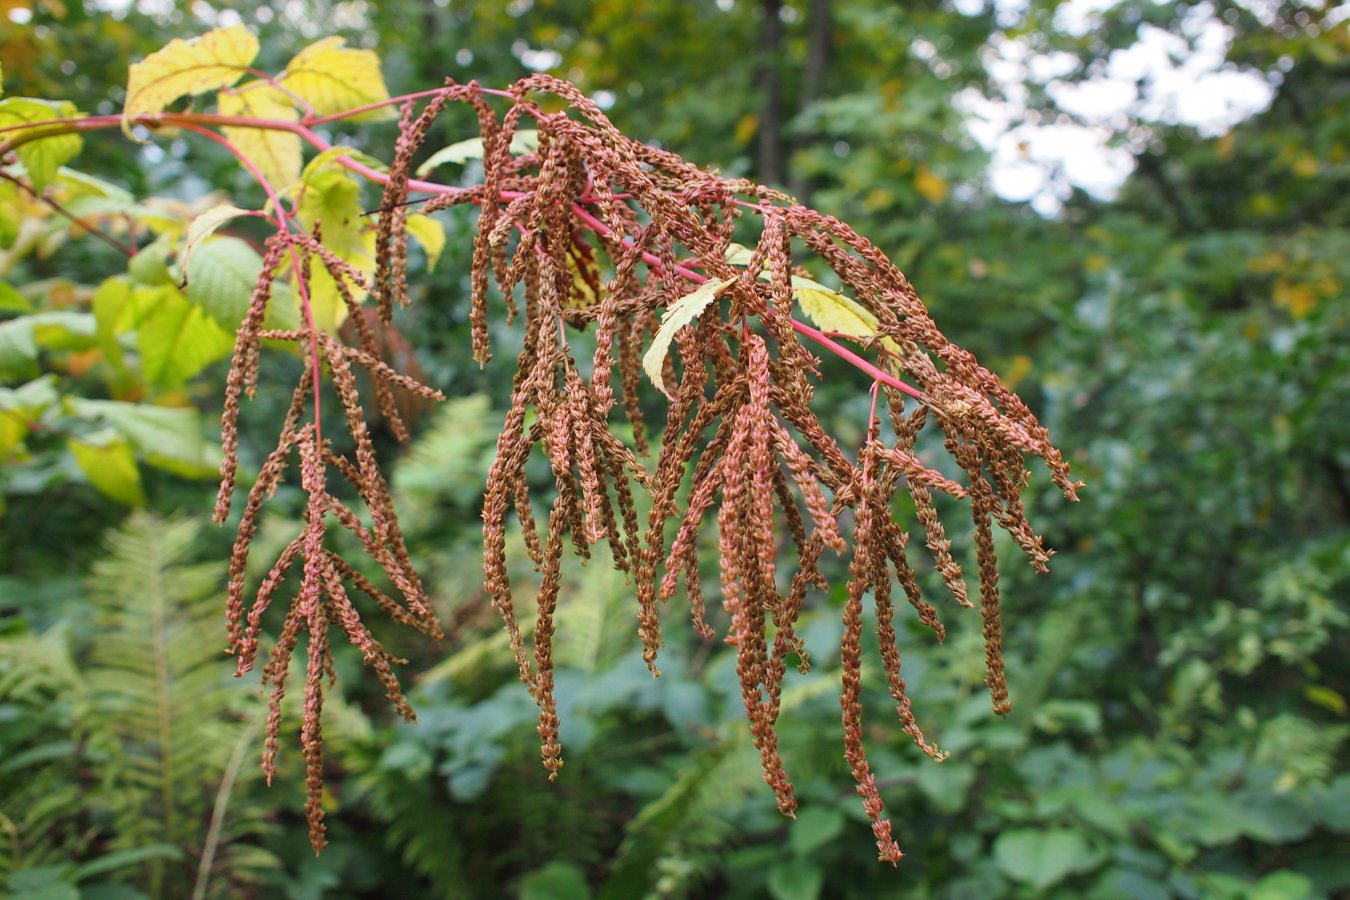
301	287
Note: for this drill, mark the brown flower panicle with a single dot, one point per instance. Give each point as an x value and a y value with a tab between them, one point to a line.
589	238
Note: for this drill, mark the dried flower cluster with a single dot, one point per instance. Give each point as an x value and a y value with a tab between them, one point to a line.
598	231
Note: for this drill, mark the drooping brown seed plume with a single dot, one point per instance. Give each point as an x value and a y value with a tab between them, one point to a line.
591	237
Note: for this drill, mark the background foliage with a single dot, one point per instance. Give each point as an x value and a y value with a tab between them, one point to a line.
1179	681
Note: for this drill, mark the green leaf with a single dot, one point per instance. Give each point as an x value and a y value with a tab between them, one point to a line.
680	314
1042	858
333	78
109	303
524	141
1333	805
110	465
225	272
815	827
209	62
121	859
555	881
22	338
42	157
169	439
9	214
22	406
795	879
203	227
175	337
150	265
12	301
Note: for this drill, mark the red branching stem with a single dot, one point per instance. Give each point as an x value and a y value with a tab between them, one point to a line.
304	129
301	287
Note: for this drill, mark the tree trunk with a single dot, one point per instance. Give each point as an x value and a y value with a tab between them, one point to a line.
770	155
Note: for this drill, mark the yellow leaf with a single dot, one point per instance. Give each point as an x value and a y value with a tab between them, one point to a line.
834	312
1018	368
932	187
275	153
679	314
430	234
212	61
746	129
110	466
1326	698
334	78
1297	297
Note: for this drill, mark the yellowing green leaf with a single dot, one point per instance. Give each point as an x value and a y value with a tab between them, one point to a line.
679	314
331	156
275	153
739	255
21	406
42	157
110	466
170	439
522	142
176	338
203	227
333	78
12	301
933	187
212	61
834	312
331	198
430	234
224	275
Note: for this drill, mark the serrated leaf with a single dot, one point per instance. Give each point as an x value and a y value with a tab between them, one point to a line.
209	62
225	274
679	314
203	227
170	439
275	153
430	234
42	157
827	308
110	466
524	141
835	312
333	78
175	337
